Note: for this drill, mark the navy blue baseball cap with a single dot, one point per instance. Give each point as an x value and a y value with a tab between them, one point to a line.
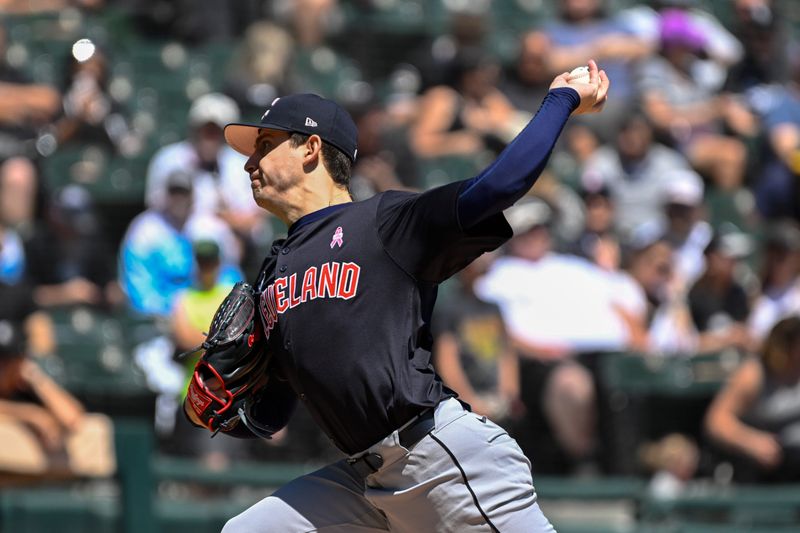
302	113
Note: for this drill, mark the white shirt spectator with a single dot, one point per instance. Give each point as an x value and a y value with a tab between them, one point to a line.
773	306
690	262
227	189
637	191
562	301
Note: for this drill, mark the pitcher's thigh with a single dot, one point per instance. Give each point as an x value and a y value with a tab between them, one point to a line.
496	473
330	500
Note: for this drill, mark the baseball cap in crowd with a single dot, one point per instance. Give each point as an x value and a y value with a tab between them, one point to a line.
74	206
206	250
731	242
179	180
783	235
213	108
527	214
684	187
645	235
299	113
593	184
678	29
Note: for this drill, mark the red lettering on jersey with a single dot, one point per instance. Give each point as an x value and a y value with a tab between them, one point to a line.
331	280
309	291
271	307
348	282
281	305
328	275
269	312
294	301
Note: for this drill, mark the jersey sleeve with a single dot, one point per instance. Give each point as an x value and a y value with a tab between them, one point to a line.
422	233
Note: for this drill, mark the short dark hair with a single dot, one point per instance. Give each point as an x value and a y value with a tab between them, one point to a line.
336	162
777	347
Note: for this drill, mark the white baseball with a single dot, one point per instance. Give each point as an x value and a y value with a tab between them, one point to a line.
579	74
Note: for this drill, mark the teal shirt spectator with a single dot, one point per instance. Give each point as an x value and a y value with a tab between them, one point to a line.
12	257
156	262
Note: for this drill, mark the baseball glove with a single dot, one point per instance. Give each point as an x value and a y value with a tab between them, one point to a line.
233	367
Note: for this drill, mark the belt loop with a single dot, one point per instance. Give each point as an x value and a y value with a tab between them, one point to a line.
367	464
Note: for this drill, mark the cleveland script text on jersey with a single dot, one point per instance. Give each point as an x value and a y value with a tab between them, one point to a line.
331	280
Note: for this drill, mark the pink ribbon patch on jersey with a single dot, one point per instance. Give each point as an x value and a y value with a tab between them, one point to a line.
337	237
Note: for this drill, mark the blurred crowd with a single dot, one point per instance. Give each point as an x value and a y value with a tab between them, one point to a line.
665	226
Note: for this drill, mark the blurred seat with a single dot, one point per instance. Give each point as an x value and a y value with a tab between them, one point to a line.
53	509
441	170
679	376
740	508
94	361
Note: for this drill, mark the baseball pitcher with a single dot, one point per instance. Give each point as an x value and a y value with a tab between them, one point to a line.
339	319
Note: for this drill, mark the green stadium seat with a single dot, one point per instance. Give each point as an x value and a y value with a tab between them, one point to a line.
94	355
743	506
408	17
441	170
53	509
679	376
237	474
324	72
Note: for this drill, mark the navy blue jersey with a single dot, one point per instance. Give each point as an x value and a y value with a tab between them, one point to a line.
347	301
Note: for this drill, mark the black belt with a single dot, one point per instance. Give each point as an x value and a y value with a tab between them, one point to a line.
370	463
416	430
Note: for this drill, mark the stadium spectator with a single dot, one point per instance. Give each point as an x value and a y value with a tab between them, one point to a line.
191	316
384	158
673	461
193	21
311	21
718	301
18	310
585	30
721	50
21	195
780	278
156	256
25	107
467	26
660	321
46	431
220	189
776	191
686	229
756	416
527	83
635	169
91	115
467	116
597	242
471	350
69	260
260	64
685	112
555	306
195	306
12	256
156	260
23	7
568	162
763	30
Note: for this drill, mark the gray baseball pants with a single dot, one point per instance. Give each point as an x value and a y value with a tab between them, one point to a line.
467	475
